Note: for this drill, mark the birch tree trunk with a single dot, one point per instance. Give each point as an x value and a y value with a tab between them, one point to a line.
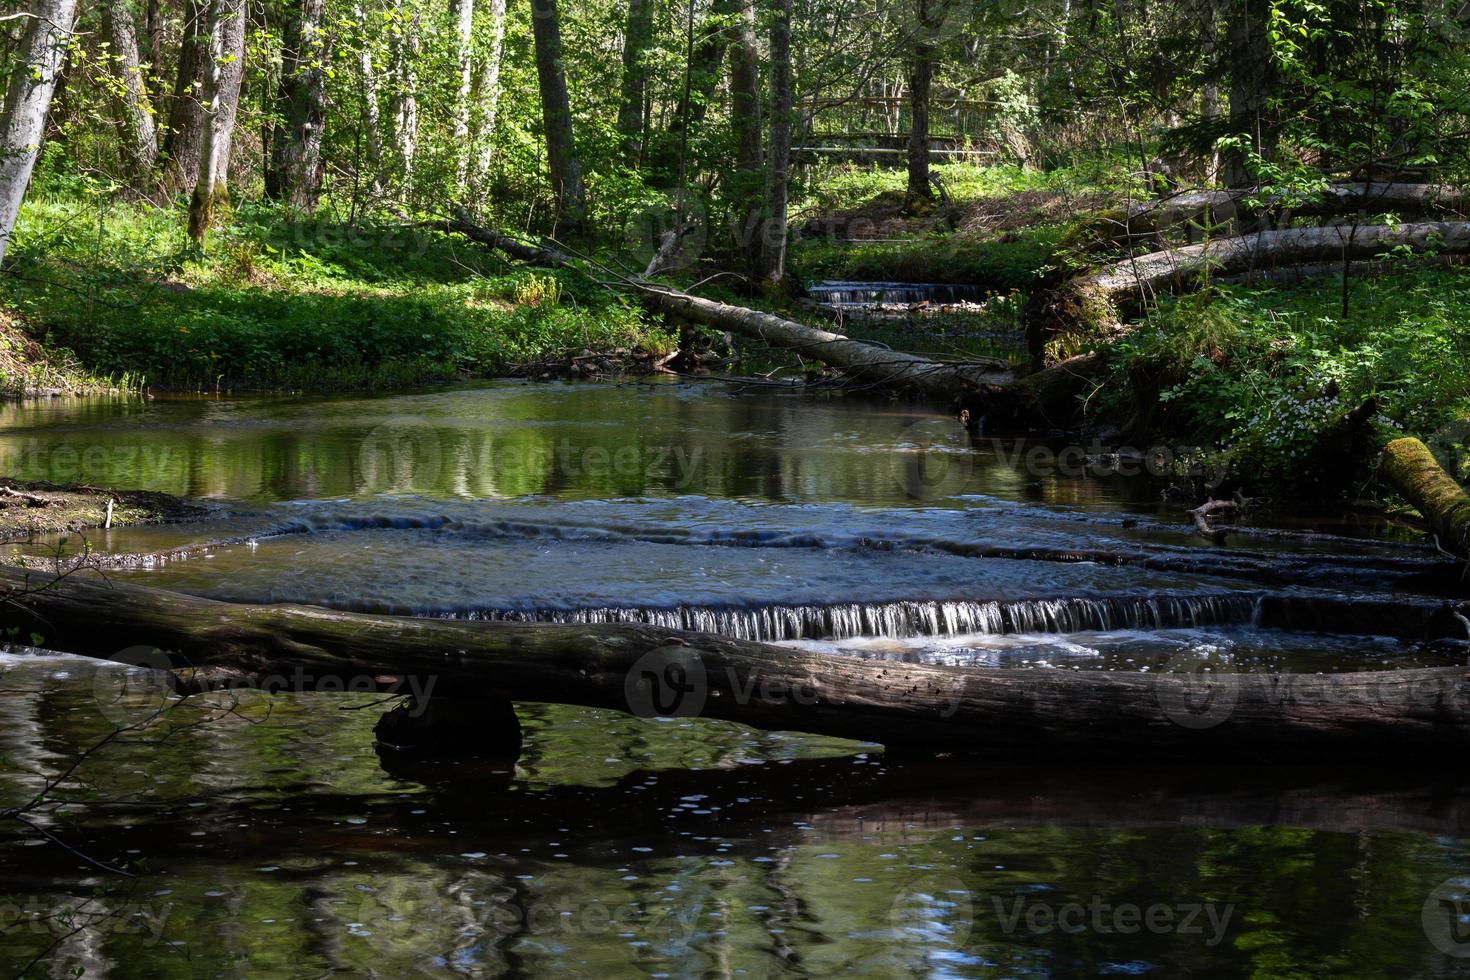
295	175
371	123
464	36
556	114
27	100
487	99
636	39
139	143
223	74
778	163
405	96
184	134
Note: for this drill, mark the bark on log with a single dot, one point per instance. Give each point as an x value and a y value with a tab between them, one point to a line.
1409	716
1411	469
1148	217
1094	305
1177	268
862	360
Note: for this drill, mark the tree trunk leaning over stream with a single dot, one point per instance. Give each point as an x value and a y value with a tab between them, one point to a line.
1409	717
864	361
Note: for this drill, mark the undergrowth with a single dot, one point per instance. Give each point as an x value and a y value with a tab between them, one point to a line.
278	304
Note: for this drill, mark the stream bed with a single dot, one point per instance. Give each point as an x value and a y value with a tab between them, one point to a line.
272	839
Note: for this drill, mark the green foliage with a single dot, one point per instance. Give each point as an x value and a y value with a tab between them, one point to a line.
273	304
955	257
1262	375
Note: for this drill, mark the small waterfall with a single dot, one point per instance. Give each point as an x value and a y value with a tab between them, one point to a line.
842	621
897	293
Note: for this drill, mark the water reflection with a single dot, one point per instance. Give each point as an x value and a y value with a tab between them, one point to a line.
269	840
623	847
511	440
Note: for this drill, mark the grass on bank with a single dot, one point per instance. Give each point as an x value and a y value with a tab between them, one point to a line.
1000	232
275	304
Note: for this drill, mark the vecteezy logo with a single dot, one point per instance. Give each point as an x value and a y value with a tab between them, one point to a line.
1447	918
1198	692
136	689
669	682
936	909
401	455
933	459
1451	446
668	235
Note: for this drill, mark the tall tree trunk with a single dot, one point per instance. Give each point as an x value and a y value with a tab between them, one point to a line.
27	100
222	79
921	75
1210	89
487	99
371	122
778	163
295	174
464	39
139	142
183	136
556	114
709	55
745	118
406	97
637	38
1250	80
153	35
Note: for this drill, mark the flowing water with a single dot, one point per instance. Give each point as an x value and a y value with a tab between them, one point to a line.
272	840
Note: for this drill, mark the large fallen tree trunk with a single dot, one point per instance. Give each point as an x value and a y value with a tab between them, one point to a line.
1094	305
1148	217
1017	714
862	360
1411	469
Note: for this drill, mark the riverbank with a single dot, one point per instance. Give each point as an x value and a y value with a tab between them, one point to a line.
272	304
29	508
1261	379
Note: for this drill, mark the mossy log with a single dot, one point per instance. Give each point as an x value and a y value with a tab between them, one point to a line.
1145	218
1408	716
1410	468
1094	306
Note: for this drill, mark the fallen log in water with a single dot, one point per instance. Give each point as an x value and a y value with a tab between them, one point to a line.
1410	716
862	360
1411	469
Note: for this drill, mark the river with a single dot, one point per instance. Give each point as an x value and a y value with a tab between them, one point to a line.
271	839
